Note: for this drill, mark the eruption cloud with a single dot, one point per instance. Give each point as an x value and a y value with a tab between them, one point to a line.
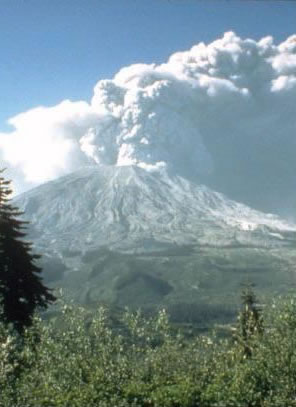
222	113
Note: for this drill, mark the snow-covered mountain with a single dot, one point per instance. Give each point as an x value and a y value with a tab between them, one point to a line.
133	237
131	209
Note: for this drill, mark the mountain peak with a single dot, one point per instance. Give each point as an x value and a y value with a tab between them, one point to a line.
123	234
122	207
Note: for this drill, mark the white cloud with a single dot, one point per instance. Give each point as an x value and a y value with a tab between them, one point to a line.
45	142
225	109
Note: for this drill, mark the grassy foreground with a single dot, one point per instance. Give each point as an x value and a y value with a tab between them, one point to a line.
86	359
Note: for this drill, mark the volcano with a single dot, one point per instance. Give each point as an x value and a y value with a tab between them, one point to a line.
130	236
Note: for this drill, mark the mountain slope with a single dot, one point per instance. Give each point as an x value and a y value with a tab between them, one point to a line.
132	237
127	208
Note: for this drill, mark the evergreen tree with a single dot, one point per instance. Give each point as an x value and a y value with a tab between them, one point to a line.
250	320
21	288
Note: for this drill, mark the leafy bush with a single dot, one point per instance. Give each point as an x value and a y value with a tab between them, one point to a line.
80	358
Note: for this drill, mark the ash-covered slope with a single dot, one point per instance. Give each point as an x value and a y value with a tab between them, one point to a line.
127	236
130	209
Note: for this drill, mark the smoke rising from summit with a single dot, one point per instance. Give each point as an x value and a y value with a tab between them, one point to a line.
222	113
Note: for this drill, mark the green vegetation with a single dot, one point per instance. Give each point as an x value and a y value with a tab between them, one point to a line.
196	284
83	358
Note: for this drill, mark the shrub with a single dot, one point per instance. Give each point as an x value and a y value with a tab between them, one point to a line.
80	359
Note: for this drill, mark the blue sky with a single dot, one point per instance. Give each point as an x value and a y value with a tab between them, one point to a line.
58	49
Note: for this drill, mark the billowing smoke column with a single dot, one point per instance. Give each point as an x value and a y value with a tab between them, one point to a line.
222	113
